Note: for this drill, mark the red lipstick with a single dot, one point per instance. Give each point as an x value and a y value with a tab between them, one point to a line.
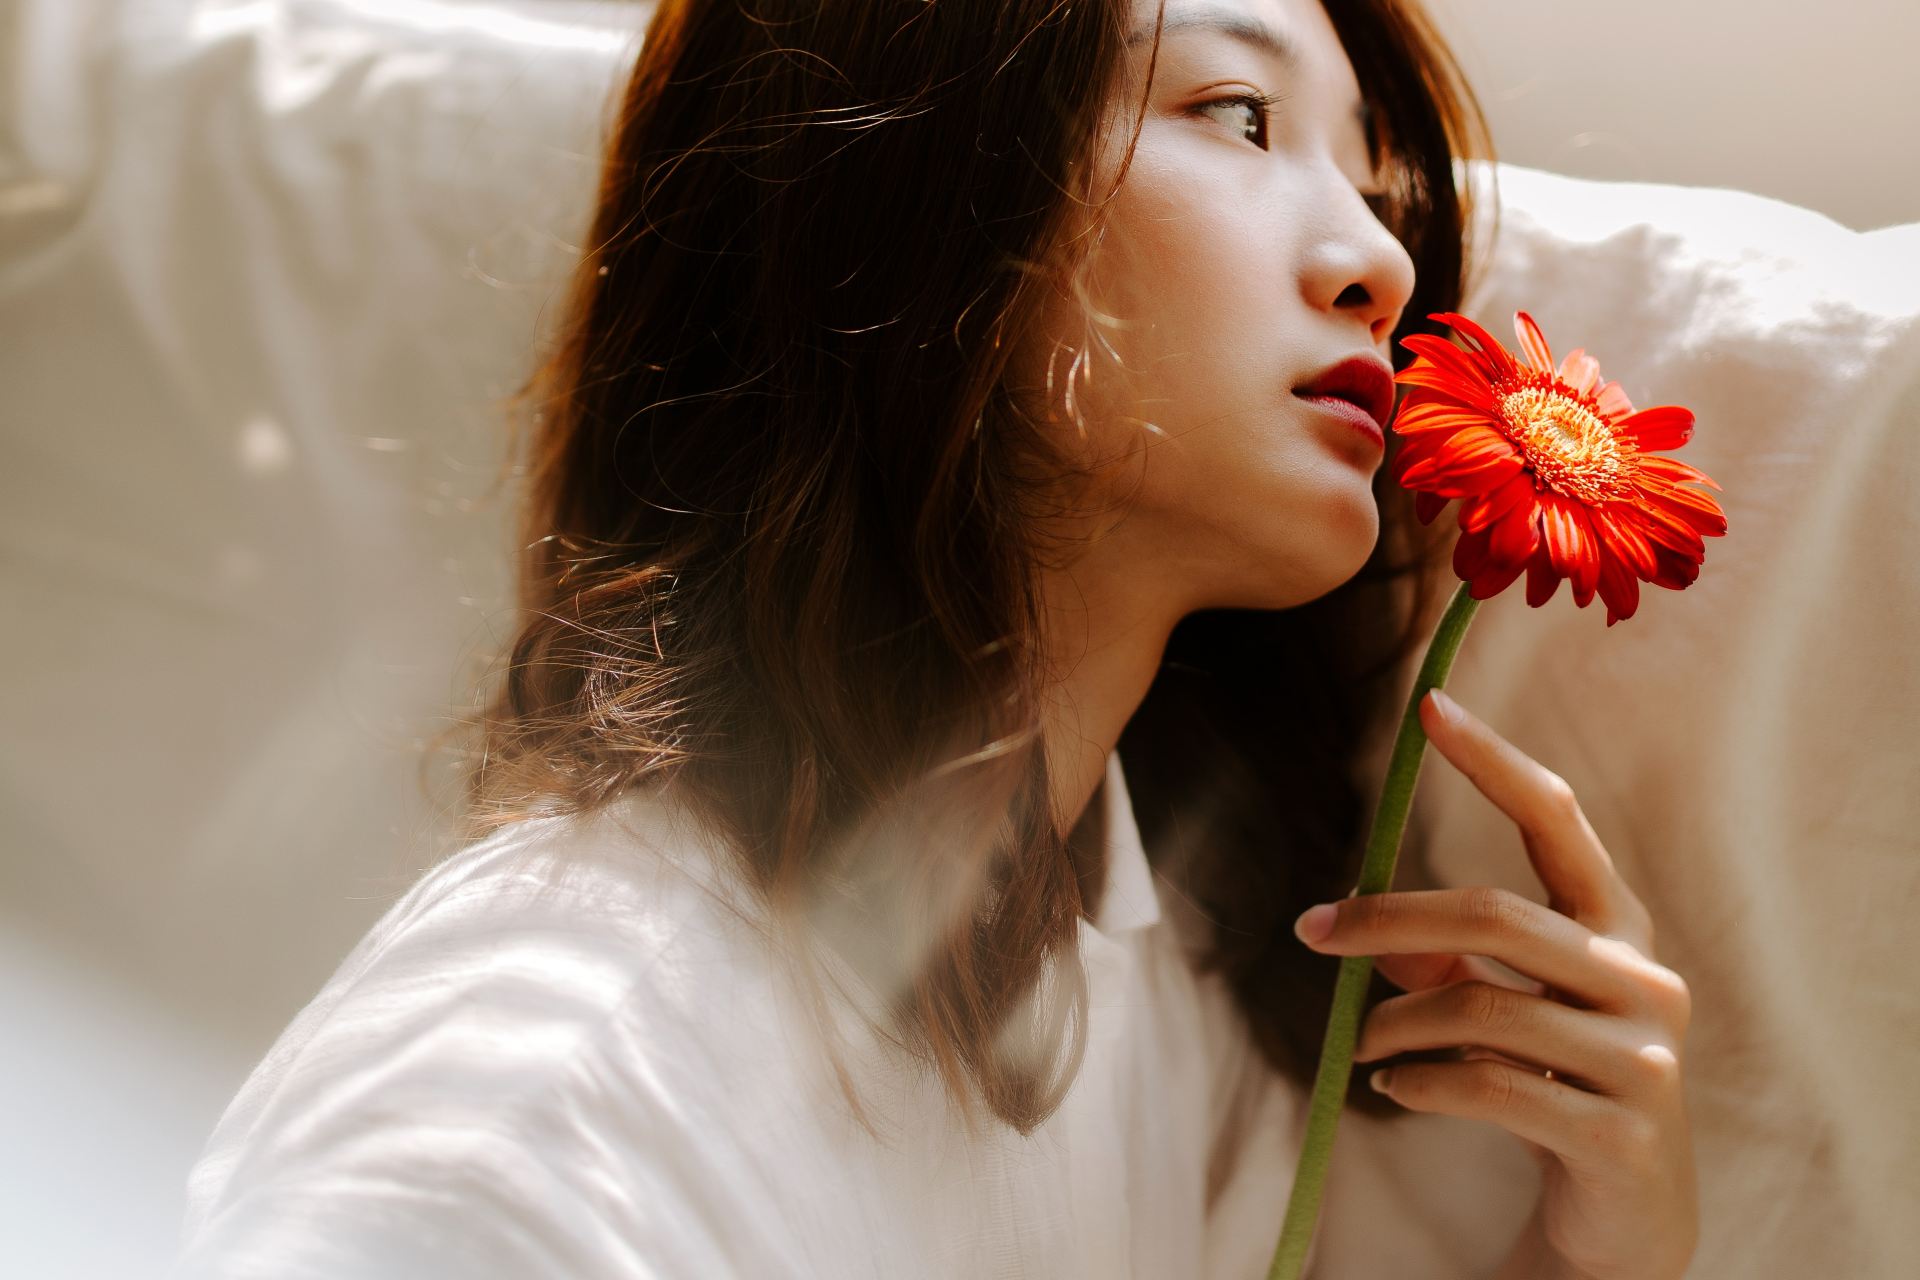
1359	389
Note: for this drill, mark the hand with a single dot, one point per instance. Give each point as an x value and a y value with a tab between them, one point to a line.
1600	1017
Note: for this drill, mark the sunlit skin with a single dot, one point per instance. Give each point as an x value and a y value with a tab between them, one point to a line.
1244	258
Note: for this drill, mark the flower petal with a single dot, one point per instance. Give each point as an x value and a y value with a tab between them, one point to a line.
1613	401
1467	444
1474	394
1447	356
1533	342
1516	535
1674	469
1542	581
1457	474
1677	571
1428	505
1493	580
1419	447
1500	360
1470	555
1618	587
1580	371
1478	513
1482	437
1571	544
1665	529
1428	415
1664	426
1473	564
1623	537
1696	508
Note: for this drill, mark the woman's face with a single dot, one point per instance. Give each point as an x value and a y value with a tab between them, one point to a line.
1245	257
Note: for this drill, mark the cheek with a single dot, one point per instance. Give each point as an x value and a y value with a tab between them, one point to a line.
1201	285
1201	281
1183	268
1203	338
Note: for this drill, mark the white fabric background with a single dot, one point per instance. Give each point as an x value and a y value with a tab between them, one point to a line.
1747	748
265	270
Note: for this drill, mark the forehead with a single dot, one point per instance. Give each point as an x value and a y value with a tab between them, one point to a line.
1293	37
1293	34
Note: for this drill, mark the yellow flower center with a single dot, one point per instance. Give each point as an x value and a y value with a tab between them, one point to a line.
1566	443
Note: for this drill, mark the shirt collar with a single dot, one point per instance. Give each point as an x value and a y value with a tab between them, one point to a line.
1130	900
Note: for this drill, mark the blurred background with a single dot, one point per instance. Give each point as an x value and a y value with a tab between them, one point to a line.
266	272
1808	103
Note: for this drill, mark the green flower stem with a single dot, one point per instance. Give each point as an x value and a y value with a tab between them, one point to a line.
1349	992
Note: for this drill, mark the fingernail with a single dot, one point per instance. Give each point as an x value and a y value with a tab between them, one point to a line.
1315	923
1381	1079
1449	709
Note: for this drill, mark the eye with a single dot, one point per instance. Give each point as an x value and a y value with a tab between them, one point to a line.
1253	112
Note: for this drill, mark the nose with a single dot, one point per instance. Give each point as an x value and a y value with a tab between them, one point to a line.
1358	268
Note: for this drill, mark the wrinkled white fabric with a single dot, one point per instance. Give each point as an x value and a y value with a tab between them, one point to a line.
565	1053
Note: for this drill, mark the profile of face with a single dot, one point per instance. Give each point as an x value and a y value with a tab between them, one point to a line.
1243	256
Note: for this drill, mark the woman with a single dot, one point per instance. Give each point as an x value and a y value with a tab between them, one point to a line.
941	413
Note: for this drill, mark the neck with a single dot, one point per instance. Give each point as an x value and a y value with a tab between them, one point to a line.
1105	641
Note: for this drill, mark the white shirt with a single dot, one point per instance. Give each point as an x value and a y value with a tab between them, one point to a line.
559	1056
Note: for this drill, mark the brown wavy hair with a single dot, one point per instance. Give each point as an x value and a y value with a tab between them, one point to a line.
780	521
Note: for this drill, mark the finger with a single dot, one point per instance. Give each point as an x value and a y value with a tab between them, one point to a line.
1569	1122
1575	867
1537	941
1420	970
1588	1049
1474	1053
1471	1053
1416	971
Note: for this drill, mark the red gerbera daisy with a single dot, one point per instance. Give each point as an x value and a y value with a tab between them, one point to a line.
1556	470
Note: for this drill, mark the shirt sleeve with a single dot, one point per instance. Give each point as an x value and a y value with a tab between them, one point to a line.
470	1097
485	1198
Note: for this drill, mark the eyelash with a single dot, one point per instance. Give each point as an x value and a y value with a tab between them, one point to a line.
1258	101
1379	202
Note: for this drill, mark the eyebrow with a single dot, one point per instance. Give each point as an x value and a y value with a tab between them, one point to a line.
1275	44
1248	31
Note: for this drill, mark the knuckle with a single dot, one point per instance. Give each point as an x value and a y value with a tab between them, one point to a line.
1557	795
1656	1067
1484	1007
1490	1085
1558	801
1492	909
1670	994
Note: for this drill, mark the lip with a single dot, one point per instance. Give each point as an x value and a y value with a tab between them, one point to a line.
1359	390
1362	421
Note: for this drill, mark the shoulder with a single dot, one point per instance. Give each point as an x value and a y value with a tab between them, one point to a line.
558	920
526	1003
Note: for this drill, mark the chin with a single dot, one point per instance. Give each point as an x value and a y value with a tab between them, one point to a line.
1329	563
1353	530
1301	582
1301	551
